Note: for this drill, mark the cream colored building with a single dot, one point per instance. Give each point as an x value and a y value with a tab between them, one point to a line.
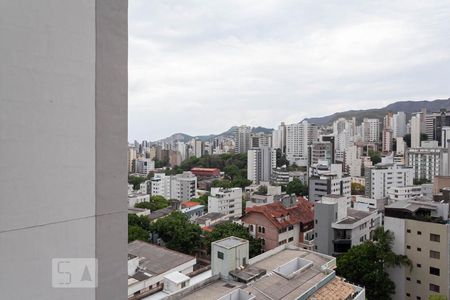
421	232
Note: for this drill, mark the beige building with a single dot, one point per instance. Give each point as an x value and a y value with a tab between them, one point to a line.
422	233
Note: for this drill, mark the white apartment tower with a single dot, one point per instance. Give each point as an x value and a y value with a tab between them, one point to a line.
371	130
415	130
399	124
260	163
242	138
298	137
279	138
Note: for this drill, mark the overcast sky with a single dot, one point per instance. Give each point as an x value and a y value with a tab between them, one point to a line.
200	67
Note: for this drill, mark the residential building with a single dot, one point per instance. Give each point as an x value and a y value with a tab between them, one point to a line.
403	193
329	183
198	148
149	264
421	232
260	139
242	138
226	201
63	148
192	210
353	163
279	138
343	131
287	220
144	166
400	146
321	151
435	122
399	125
180	187
298	137
426	162
286	272
382	177
337	227
260	163
136	198
371	130
160	185
211	219
416	130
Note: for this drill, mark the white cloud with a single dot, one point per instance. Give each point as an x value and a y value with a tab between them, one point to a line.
200	67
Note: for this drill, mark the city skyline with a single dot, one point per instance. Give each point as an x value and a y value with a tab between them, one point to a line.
210	66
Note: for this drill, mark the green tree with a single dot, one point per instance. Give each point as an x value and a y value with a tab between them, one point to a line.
138	228
262	190
375	156
227	229
365	264
358	189
297	187
421	181
407	138
136	181
155	203
137	233
178	233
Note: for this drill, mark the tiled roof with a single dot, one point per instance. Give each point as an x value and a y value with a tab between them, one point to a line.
300	212
189	204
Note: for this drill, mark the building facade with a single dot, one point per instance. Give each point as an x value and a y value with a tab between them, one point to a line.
382	177
260	163
226	201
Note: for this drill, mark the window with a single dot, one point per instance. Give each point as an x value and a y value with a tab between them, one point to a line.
408	247
408	278
419	265
434	271
291	227
291	239
183	285
418	281
435	237
419	249
418	298
315	234
408	295
419	232
408	230
434	288
219	255
250	227
316	221
435	254
261	229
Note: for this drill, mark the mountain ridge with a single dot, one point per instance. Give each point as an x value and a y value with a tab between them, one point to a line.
406	106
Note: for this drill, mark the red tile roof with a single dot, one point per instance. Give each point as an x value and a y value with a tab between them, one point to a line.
301	212
189	204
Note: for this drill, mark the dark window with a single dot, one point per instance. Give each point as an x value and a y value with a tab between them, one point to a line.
219	254
418	298
316	221
435	254
408	278
434	271
419	232
408	295
419	249
290	239
419	265
435	237
418	281
408	230
408	247
434	288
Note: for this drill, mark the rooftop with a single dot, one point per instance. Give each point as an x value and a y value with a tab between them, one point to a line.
305	280
299	212
230	242
155	259
354	215
209	216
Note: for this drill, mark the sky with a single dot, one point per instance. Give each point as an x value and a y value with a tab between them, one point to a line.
200	67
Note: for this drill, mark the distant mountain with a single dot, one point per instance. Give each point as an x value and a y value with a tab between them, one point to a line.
182	137
406	106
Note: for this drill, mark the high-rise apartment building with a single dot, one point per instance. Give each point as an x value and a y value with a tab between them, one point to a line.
260	163
426	162
260	139
63	89
321	151
371	130
180	187
399	124
279	138
421	232
242	139
416	130
298	137
381	177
